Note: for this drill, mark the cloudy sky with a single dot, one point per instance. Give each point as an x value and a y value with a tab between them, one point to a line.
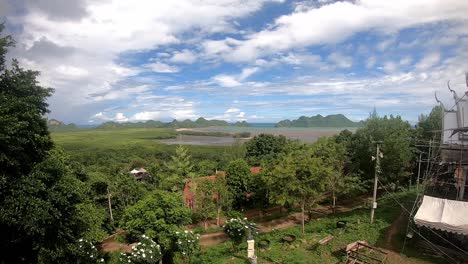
259	61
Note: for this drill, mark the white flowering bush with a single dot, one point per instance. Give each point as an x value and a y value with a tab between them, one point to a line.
87	252
237	230
187	243
144	252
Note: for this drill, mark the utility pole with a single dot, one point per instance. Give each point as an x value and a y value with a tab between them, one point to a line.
376	180
419	171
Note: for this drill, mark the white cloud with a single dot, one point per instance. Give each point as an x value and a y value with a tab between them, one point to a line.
144	116
231	115
103	117
336	22
162	67
184	56
428	61
84	39
340	60
226	80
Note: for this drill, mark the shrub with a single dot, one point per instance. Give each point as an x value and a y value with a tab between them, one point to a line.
187	243
237	230
145	252
87	252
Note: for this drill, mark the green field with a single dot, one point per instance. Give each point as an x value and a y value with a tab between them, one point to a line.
101	149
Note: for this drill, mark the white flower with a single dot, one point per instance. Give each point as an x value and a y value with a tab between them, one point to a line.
102	260
186	231
81	240
144	256
177	232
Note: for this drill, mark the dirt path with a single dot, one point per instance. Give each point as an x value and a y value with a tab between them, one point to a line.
212	239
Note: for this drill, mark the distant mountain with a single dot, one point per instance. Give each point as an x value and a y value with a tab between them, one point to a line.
241	124
200	122
56	125
338	120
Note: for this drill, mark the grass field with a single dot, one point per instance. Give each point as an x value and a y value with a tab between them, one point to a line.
98	149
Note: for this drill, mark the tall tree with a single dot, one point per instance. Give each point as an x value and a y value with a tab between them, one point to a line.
46	213
41	194
430	126
338	182
397	137
238	179
205	207
24	138
223	196
180	168
297	178
264	147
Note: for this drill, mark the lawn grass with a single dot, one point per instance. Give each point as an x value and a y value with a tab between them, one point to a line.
306	250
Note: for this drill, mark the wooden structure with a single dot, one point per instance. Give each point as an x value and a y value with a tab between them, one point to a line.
360	252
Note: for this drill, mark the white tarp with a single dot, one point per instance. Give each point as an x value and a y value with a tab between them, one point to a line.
443	214
134	171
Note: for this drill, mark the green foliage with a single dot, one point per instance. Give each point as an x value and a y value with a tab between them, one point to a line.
264	147
242	124
87	253
158	215
223	196
338	120
298	177
430	126
146	251
180	168
396	136
206	167
205	194
238	178
238	229
24	138
242	135
45	213
187	244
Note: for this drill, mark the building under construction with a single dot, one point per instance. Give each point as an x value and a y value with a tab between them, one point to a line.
440	213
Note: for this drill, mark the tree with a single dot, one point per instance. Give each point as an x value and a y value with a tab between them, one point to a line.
206	167
334	156
430	126
396	136
238	178
24	137
180	168
45	214
159	215
298	177
205	207
264	147
223	196
41	195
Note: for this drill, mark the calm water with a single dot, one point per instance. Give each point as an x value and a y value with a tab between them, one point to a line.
303	134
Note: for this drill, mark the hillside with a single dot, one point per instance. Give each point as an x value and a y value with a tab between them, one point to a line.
56	125
338	120
241	124
200	122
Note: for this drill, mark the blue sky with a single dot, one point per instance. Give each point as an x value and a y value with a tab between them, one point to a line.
260	61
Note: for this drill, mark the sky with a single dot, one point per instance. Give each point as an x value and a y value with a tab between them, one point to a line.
260	61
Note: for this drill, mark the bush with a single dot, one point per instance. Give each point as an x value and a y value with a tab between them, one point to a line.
145	252
237	230
187	243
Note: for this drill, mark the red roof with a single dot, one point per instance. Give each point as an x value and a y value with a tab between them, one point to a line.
255	170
